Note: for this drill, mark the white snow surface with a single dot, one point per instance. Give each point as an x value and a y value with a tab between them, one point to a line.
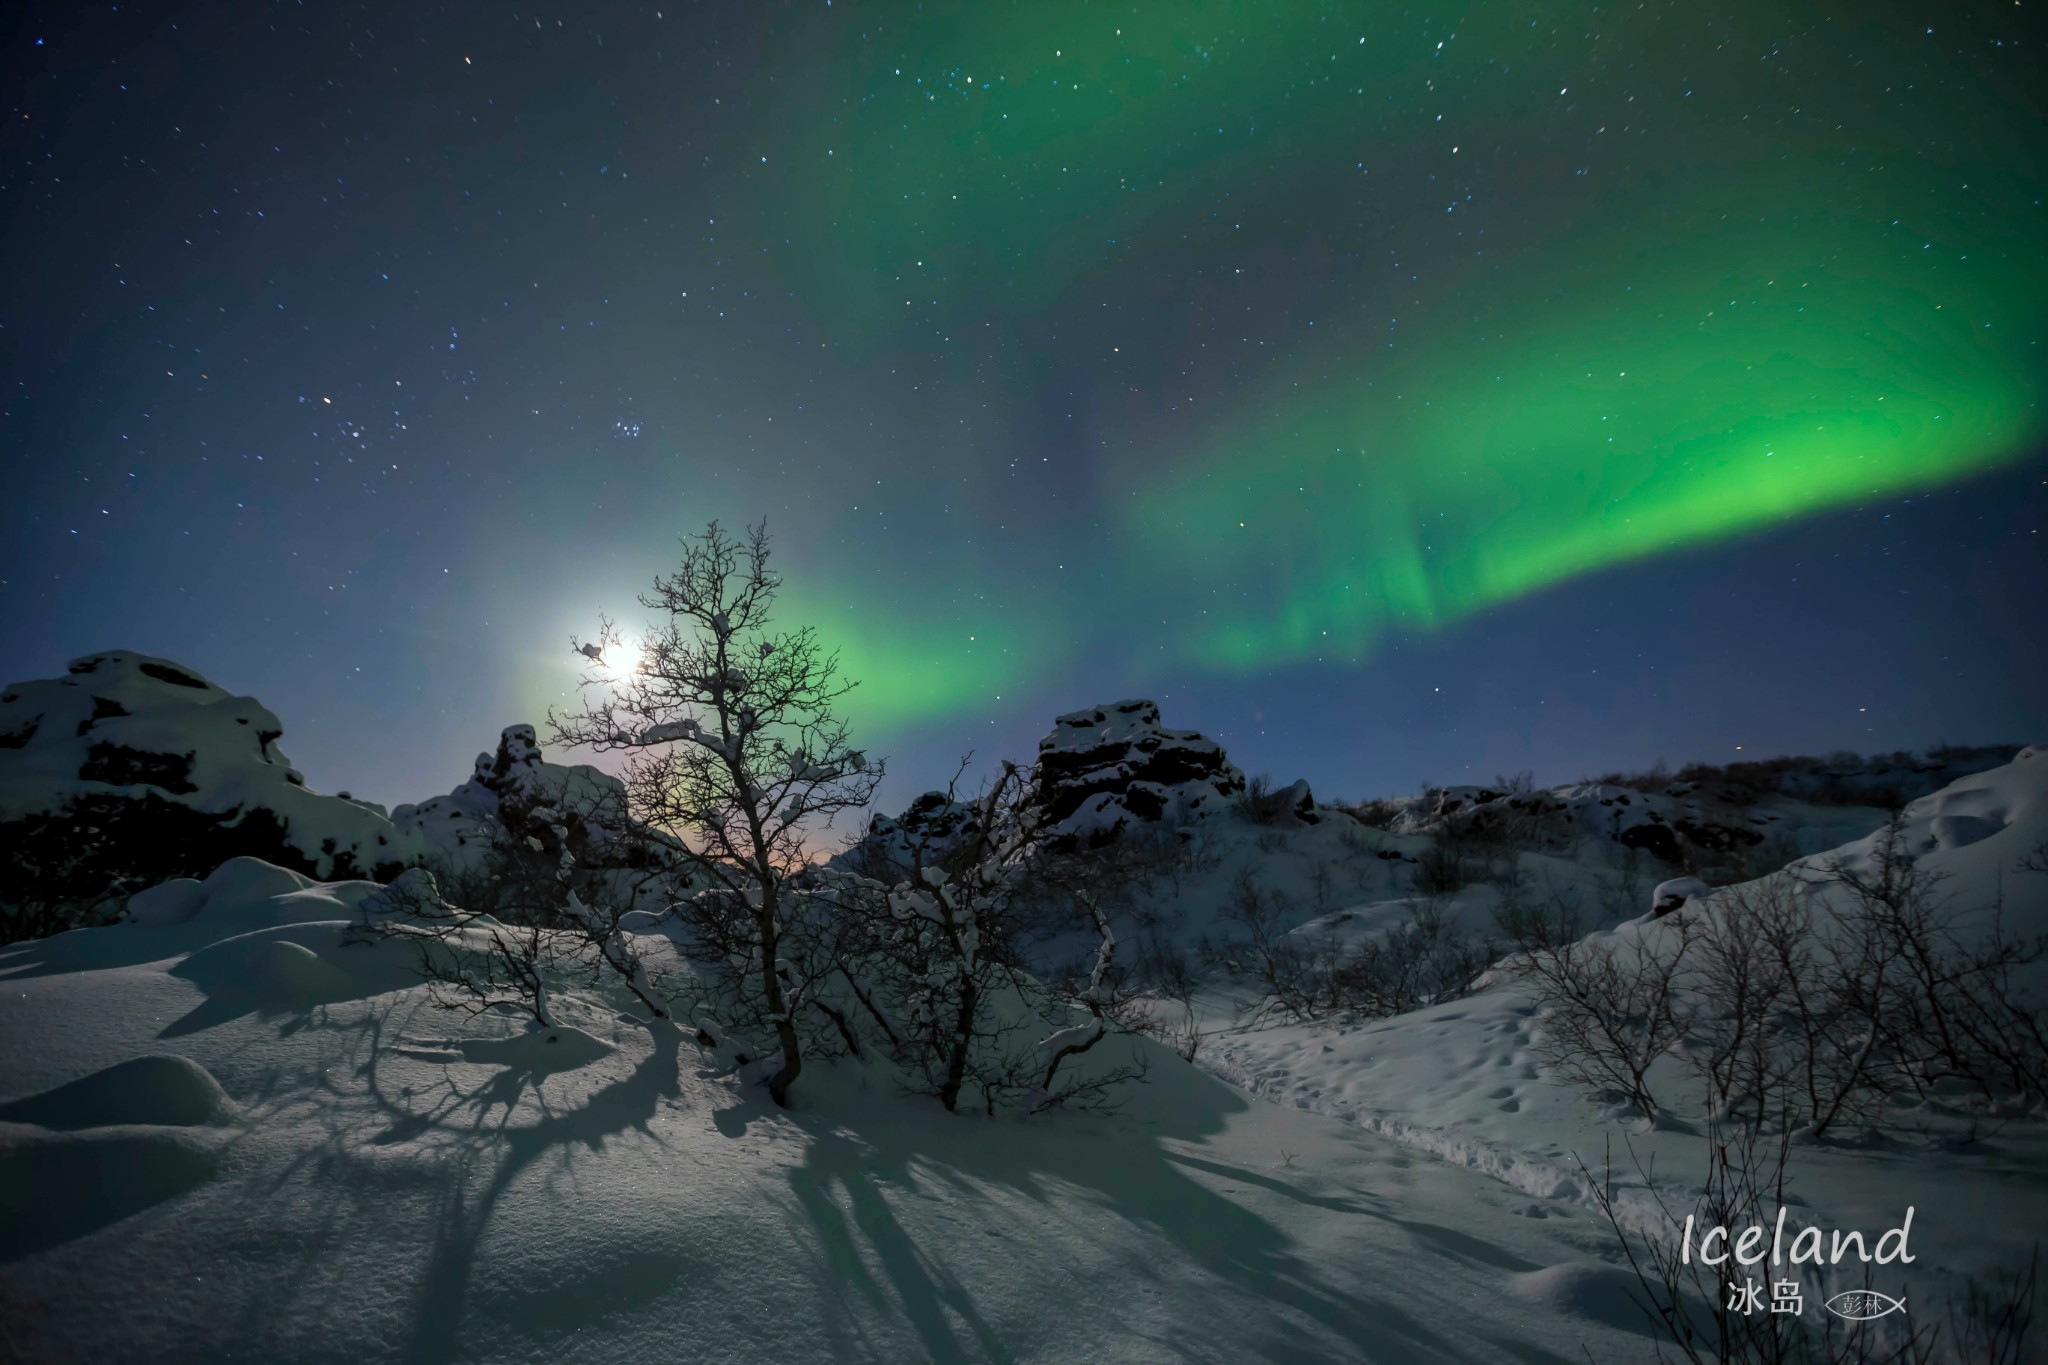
270	1141
381	1180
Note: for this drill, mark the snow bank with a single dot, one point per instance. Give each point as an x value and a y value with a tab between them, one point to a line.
157	1089
1463	1081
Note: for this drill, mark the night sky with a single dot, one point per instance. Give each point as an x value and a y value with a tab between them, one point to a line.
1396	392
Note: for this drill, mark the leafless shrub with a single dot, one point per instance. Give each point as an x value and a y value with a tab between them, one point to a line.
1277	961
1263	803
1529	922
1446	866
1813	999
1625	891
1755	978
1945	1001
1989	1322
1419	963
1718	1313
1165	972
1610	1007
1314	974
935	963
1323	882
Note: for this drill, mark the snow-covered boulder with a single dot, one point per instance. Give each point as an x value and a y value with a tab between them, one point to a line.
1301	802
131	770
1671	896
1102	769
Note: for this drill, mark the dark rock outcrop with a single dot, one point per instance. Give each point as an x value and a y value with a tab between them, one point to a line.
1103	769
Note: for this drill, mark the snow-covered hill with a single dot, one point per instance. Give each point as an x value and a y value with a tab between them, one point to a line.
1462	1081
129	770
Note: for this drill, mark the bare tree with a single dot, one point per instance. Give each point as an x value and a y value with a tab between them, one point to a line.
1611	1007
947	938
734	744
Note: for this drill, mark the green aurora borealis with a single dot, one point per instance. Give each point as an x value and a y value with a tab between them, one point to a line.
1541	291
1529	385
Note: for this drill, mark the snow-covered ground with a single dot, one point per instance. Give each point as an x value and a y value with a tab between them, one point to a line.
318	1165
1461	1081
231	1130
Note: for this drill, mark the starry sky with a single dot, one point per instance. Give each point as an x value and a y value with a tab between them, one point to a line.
1398	392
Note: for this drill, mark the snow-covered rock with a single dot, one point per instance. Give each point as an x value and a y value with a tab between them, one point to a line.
574	806
1672	895
1301	802
1708	813
927	829
131	770
1102	769
1661	823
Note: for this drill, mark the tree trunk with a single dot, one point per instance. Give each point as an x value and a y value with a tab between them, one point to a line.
778	1004
963	1040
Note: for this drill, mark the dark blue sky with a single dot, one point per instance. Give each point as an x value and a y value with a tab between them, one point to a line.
356	358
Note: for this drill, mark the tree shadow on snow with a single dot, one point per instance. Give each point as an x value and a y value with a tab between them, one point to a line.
620	1106
857	1172
874	1178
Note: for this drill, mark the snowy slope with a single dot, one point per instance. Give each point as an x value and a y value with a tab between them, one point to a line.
1461	1080
226	1134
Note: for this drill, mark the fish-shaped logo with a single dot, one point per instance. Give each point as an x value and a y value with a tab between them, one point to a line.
1861	1305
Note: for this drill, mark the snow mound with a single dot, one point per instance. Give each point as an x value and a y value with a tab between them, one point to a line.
57	1186
1104	768
1602	1293
131	770
163	1089
173	902
294	974
244	886
292	965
